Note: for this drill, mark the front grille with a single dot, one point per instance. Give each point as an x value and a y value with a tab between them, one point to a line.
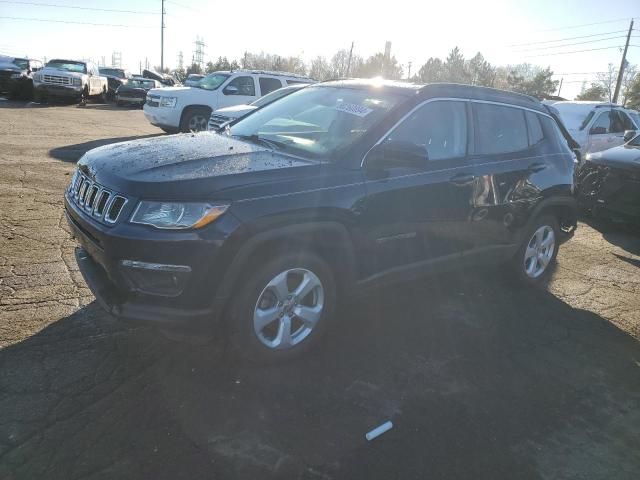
216	121
153	100
56	80
96	200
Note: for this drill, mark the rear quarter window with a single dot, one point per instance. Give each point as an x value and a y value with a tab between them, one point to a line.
534	127
499	129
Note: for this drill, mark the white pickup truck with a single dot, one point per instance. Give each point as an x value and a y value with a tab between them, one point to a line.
188	109
71	79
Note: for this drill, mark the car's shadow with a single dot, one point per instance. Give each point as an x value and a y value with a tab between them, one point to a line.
623	235
72	153
480	379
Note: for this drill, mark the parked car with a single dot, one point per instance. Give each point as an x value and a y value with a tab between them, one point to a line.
342	186
222	116
188	109
116	77
608	182
164	78
134	92
597	126
192	80
74	79
16	76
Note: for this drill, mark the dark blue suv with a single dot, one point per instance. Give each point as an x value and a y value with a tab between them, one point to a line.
339	186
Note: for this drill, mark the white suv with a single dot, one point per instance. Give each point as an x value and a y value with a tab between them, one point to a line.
188	109
597	126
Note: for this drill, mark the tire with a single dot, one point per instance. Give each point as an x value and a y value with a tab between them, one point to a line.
534	260
195	119
266	307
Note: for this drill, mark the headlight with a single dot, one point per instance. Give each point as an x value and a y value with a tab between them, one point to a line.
169	102
175	216
37	77
16	75
77	82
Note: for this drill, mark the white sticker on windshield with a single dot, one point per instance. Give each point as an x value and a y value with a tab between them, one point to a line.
353	109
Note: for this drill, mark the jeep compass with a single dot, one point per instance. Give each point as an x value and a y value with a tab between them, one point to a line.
339	186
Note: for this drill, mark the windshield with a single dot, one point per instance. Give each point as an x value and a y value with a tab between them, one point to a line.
574	117
69	66
114	72
212	81
272	97
21	63
317	121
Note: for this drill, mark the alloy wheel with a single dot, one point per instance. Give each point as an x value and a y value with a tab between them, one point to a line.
197	123
288	308
539	251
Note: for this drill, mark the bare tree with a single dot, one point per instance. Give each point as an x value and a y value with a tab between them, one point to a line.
608	80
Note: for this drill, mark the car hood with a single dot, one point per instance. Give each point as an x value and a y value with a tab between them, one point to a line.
178	166
623	157
170	90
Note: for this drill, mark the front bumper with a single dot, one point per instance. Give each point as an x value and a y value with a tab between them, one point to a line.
127	99
162	117
105	256
60	90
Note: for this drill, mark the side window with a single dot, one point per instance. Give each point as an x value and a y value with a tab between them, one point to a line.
621	123
241	86
500	129
602	124
268	85
535	130
440	127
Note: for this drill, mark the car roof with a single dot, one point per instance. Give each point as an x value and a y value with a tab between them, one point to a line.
265	72
451	90
66	60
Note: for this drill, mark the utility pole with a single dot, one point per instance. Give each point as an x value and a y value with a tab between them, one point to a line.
560	86
162	39
622	65
349	62
409	74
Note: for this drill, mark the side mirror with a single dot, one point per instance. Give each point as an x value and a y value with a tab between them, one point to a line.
628	135
397	153
597	131
231	90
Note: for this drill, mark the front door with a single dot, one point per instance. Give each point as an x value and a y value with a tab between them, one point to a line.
419	214
239	91
607	130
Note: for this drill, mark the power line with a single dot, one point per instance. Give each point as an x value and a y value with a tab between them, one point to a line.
570	44
28	19
574	51
56	5
184	6
584	25
567	38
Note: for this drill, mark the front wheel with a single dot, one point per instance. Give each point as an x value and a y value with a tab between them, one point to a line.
195	120
284	308
535	257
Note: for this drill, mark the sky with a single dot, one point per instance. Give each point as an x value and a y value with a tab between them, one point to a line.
505	32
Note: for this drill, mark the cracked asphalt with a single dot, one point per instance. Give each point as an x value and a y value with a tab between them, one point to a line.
481	379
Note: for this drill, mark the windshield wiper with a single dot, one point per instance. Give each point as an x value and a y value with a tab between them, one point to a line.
274	144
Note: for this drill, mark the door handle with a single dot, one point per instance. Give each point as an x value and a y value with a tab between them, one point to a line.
537	167
462	179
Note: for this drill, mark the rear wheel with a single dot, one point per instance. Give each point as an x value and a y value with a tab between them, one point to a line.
534	259
195	119
284	308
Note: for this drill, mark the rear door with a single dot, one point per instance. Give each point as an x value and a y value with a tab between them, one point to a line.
420	215
519	156
238	91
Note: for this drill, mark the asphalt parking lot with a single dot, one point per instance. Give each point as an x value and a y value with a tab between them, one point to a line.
482	380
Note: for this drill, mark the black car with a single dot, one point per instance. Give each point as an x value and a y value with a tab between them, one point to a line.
608	182
16	76
134	92
116	77
340	186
